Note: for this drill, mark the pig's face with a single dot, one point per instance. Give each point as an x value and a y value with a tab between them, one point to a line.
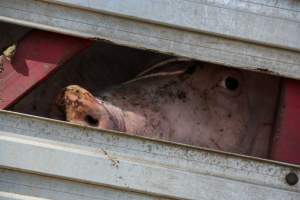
214	107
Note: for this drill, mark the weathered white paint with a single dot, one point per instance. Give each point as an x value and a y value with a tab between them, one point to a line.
85	23
129	163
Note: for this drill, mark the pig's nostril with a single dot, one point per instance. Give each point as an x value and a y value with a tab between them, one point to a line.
231	83
91	120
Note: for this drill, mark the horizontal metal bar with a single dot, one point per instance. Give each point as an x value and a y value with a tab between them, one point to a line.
89	24
131	163
251	22
14	196
20	185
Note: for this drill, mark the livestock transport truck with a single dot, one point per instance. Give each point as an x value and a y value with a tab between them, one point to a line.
149	99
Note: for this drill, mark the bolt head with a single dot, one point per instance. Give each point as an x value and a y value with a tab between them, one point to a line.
291	178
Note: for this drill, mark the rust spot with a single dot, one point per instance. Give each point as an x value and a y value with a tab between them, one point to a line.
262	70
267	71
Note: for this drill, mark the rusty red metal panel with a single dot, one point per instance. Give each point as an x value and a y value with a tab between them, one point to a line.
286	142
37	55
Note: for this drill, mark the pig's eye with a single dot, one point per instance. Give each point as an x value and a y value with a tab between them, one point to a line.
91	120
231	83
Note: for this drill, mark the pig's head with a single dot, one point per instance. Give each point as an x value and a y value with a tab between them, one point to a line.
81	107
214	107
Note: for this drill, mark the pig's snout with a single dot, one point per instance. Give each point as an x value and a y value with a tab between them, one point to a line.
81	107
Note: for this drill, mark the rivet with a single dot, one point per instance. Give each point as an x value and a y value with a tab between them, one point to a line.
291	178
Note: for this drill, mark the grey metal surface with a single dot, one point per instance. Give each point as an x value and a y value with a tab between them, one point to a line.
244	20
260	36
61	151
19	185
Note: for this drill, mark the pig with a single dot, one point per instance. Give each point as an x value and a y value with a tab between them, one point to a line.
203	105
